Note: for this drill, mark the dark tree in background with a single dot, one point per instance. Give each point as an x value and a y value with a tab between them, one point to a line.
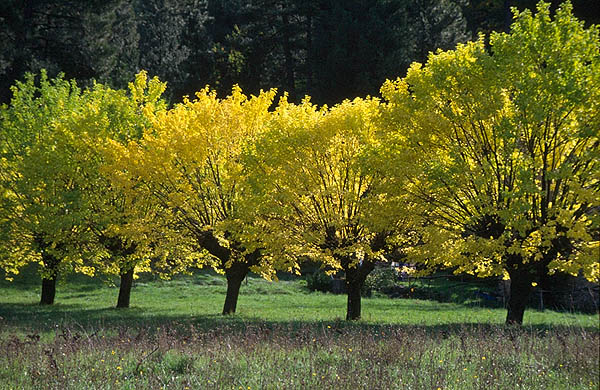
495	15
105	40
359	44
356	45
85	39
329	49
259	44
436	24
272	45
170	31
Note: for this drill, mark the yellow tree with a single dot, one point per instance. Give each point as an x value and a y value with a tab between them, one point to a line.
41	206
189	164
120	222
507	144
318	192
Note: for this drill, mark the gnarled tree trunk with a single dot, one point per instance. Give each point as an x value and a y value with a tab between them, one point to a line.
238	270
49	279
355	279
125	288
120	249
520	289
48	290
235	275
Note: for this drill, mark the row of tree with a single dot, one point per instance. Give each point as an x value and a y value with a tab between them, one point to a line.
484	160
328	49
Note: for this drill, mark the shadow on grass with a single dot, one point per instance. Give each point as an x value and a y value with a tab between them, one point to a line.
33	318
29	279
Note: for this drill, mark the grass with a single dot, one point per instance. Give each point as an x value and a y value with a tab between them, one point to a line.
281	337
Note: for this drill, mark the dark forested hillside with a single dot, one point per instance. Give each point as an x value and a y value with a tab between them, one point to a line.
329	49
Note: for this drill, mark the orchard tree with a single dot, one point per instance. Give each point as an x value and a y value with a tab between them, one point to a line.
507	142
121	222
189	163
41	206
318	193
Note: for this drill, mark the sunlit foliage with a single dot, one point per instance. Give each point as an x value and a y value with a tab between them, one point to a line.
189	165
42	207
507	144
319	193
120	222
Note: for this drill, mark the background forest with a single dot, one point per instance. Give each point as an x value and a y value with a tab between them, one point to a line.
328	49
481	159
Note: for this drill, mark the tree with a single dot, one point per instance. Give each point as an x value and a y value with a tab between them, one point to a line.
259	44
189	163
271	43
344	55
83	39
121	223
357	45
508	147
41	208
486	16
318	193
436	25
169	30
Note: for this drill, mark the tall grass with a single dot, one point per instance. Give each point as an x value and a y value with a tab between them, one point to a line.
272	356
282	338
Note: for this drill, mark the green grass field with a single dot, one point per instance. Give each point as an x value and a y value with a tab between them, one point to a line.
282	337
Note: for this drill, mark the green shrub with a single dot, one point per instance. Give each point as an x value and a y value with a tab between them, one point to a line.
383	280
318	281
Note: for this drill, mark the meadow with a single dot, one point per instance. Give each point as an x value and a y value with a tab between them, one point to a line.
283	337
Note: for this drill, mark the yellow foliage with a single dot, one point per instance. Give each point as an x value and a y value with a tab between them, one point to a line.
506	147
189	165
319	187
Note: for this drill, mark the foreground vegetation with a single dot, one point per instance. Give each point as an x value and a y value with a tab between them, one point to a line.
282	337
264	355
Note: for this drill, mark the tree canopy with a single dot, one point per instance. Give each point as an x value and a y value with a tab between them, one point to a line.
484	159
120	223
323	197
507	141
189	164
42	205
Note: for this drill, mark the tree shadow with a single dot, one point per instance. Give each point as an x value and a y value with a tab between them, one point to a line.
33	318
29	279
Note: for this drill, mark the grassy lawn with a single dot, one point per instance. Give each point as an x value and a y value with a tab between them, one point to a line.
282	337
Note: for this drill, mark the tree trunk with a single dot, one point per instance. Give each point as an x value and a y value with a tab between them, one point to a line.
235	275
507	15
48	290
238	270
289	60
50	275
309	53
353	307
355	279
125	289
520	288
